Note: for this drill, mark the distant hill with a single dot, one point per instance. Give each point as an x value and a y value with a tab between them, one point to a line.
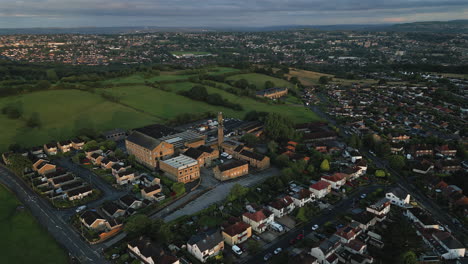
454	26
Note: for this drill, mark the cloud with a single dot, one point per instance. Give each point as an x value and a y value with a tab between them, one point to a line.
221	12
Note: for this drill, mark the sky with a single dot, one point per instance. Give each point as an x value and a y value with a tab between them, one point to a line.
223	13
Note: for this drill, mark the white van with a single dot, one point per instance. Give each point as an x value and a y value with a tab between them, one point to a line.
237	250
277	227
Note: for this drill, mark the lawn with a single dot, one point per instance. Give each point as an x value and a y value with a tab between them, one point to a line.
23	239
62	114
310	78
260	79
169	104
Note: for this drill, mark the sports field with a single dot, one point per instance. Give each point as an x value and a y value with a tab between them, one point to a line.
22	239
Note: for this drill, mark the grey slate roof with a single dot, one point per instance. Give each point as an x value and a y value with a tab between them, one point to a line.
143	140
206	240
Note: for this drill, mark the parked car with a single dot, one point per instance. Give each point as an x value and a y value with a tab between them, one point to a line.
363	196
267	256
277	227
80	208
277	251
237	250
300	237
315	227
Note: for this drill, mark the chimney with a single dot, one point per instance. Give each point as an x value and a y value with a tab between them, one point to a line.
220	130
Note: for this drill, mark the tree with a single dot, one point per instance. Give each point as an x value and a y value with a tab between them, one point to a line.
272	147
380	173
13	111
178	188
325	165
311	168
109	144
198	92
237	191
43	85
269	84
18	164
323	80
250	139
137	225
282	160
242	83
355	141
34	120
278	127
409	257
397	162
90	145
52	75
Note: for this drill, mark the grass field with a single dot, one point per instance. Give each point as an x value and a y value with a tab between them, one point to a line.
310	78
22	239
178	53
169	104
63	113
260	79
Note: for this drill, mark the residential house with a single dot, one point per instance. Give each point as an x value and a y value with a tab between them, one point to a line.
319	136
92	220
149	253
96	158
454	249
259	220
50	148
79	193
113	210
380	209
92	151
422	150
395	138
125	177
43	167
337	180
446	150
281	206
398	197
77	143
237	233
130	202
231	170
320	189
348	233
206	245
325	252
302	197
152	193
65	146
422	218
181	168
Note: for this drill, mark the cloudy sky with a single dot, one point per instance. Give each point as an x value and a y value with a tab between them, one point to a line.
223	13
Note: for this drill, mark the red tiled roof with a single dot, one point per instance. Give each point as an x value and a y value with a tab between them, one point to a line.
336	177
257	216
236	228
320	185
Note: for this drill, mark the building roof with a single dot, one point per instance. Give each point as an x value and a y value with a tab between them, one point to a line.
143	140
150	250
89	217
152	188
252	155
448	240
156	131
258	215
128	199
398	192
206	240
80	190
329	244
232	165
236	228
320	185
180	162
111	208
113	132
63	179
281	202
336	177
179	139
424	217
193	153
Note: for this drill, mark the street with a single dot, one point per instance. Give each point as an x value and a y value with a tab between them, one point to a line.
54	220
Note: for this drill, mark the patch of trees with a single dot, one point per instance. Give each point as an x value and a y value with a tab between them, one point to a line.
199	93
13	111
279	128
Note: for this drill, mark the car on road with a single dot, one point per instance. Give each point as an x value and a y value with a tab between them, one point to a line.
277	251
267	256
80	209
229	157
372	152
224	154
315	227
115	256
300	237
237	250
363	196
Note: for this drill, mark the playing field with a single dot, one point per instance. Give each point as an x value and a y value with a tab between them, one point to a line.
22	239
62	114
260	79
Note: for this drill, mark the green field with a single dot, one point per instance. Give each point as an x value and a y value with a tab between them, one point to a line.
22	239
260	79
62	114
169	104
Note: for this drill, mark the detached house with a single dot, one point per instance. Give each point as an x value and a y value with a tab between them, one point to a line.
282	206
206	245
348	233
112	210
43	167
50	149
152	193
129	201
320	189
380	209
325	252
259	221
77	143
94	221
149	253
237	233
337	180
398	197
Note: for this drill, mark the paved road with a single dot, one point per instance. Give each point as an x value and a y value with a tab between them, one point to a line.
217	194
52	219
339	208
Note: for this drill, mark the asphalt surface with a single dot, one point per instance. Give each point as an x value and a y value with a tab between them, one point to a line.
325	216
55	221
